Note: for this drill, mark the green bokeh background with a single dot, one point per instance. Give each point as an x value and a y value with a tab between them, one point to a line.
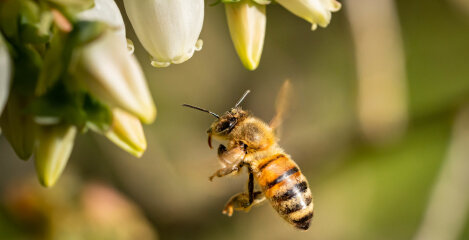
361	190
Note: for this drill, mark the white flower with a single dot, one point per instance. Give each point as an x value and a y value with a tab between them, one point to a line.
5	74
167	29
115	77
54	146
247	20
108	12
317	12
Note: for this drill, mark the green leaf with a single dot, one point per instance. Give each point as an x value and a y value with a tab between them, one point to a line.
39	32
60	105
98	115
27	62
54	63
25	21
9	14
87	31
72	107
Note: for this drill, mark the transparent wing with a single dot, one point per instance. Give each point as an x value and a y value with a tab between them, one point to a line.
281	104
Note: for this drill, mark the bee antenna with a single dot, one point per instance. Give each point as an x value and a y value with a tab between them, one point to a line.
201	109
242	98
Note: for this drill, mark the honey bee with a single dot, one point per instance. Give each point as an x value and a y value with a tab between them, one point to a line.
252	143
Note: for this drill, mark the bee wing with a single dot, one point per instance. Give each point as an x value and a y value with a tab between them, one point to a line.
283	98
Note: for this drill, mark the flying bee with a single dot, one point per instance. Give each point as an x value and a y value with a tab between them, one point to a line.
252	143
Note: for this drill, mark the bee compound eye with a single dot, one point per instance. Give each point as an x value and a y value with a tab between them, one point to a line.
223	126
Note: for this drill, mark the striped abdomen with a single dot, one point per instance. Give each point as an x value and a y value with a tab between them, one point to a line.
287	189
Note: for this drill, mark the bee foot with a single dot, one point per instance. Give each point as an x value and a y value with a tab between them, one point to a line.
228	211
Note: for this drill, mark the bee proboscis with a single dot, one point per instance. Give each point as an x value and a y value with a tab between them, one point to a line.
252	143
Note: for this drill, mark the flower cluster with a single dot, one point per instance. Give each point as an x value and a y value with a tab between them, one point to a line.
169	30
67	67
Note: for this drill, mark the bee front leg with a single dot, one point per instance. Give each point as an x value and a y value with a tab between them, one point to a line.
225	171
232	160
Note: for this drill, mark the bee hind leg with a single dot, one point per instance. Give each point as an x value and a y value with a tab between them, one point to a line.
244	201
241	202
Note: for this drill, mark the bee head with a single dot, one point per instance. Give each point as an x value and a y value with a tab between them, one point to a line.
225	123
222	127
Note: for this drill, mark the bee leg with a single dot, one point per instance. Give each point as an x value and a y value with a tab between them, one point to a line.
251	187
231	159
240	202
225	171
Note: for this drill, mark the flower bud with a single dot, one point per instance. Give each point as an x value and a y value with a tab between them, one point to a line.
5	74
126	132
247	20
317	12
54	146
167	29
115	77
108	12
18	127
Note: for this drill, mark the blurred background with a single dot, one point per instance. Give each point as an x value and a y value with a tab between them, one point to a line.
378	123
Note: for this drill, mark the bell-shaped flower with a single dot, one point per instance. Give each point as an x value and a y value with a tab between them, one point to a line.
115	77
246	21
53	148
126	132
317	12
18	127
168	29
5	74
107	11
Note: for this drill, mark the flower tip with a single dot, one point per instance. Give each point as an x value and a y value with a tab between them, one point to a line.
127	133
250	64
177	60
158	64
314	27
336	6
149	116
47	182
130	46
199	44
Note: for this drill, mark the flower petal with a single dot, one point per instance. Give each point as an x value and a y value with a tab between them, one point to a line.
317	12
168	30
106	11
5	74
247	21
115	77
